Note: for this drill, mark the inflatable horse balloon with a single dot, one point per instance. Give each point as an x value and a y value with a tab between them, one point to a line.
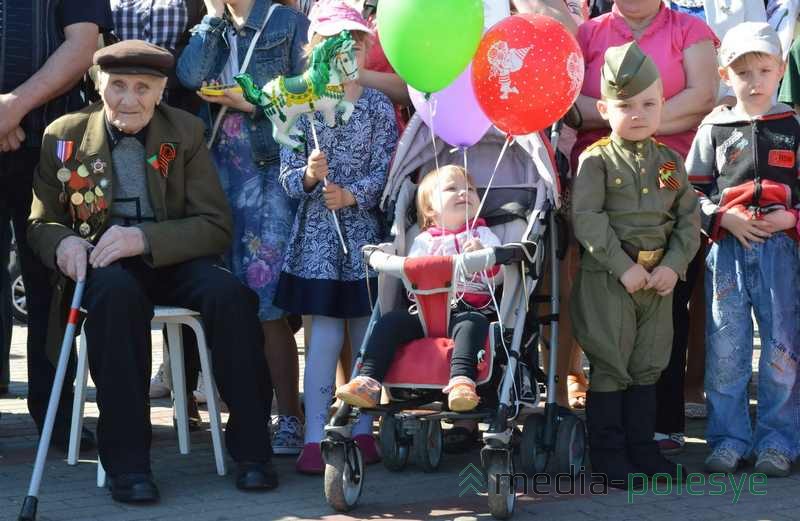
320	88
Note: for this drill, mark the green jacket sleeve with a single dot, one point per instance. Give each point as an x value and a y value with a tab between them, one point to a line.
590	220
684	240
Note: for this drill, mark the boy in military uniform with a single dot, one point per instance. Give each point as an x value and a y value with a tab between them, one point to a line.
636	217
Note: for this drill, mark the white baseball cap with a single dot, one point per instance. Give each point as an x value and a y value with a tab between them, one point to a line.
749	37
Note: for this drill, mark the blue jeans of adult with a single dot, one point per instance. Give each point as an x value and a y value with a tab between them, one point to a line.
762	281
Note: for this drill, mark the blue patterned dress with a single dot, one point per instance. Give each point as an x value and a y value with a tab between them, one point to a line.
262	213
318	278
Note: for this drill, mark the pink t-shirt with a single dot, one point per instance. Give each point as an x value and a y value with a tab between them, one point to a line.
665	39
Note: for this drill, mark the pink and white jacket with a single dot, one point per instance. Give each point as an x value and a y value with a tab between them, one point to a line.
438	241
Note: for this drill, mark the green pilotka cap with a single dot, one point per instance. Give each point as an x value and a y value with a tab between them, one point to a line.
626	72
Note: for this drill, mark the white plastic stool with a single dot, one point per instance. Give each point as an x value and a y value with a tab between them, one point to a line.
172	318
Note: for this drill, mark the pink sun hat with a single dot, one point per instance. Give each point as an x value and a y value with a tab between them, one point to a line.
330	17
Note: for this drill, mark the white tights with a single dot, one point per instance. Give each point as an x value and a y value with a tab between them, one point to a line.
325	345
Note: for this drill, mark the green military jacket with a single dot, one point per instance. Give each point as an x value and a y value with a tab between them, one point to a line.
192	215
637	192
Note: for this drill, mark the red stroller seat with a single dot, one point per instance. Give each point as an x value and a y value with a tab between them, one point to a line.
425	363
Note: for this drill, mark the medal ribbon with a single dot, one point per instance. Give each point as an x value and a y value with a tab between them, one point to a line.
64	150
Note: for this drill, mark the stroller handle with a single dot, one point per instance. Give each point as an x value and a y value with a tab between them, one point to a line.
472	262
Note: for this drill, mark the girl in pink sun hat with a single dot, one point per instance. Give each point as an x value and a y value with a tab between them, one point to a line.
318	277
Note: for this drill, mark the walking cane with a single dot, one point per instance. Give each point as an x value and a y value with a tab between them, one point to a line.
28	511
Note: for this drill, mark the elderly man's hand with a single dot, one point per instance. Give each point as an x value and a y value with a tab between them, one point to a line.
71	257
118	242
12	141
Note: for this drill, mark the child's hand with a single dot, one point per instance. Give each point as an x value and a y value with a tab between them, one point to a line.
473	244
744	228
337	197
635	278
663	280
780	220
316	169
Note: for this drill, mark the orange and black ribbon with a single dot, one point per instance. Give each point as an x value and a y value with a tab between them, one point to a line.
667	176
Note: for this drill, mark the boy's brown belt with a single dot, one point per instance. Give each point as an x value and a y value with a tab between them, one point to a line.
649	259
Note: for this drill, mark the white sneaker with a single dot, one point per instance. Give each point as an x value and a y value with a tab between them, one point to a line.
200	392
288	437
773	463
723	460
160	387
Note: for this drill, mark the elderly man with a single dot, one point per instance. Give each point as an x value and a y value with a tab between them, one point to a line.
127	186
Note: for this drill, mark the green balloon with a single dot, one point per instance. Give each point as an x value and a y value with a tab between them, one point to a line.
430	42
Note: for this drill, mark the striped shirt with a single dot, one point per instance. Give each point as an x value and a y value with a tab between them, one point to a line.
160	22
16	51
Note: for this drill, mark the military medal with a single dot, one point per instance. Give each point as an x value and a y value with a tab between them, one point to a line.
98	166
84	229
76	199
83	171
666	177
64	152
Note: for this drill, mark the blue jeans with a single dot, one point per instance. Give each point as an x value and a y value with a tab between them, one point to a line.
763	281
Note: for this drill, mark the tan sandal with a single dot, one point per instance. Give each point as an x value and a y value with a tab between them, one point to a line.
577	385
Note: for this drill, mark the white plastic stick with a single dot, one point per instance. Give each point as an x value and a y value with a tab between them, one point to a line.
325	183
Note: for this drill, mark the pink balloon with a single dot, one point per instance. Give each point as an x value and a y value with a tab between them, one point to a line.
457	117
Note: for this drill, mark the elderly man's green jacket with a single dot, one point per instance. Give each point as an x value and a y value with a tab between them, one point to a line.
192	215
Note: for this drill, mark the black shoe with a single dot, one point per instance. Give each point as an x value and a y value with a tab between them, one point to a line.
133	488
639	405
60	440
607	438
256	476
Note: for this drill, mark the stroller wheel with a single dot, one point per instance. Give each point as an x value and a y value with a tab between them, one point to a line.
344	475
533	456
393	450
570	450
428	442
501	489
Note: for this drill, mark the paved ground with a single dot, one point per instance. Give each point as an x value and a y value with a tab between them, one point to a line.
191	490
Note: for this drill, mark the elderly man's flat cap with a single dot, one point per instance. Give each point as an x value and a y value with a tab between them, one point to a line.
134	57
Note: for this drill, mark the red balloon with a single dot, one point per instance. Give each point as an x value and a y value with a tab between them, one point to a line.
527	73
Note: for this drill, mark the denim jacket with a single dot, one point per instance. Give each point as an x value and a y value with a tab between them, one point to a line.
279	51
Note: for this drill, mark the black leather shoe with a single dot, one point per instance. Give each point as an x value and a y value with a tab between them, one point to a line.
133	488
256	476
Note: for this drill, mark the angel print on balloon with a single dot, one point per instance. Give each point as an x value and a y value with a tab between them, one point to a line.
320	88
504	61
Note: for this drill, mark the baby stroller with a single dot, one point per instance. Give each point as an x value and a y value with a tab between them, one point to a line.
520	210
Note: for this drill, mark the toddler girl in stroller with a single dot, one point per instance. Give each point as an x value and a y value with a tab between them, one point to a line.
447	201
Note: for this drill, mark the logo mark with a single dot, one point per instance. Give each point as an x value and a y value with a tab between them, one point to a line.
471	480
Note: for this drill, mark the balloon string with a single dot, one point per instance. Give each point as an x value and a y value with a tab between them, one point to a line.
325	183
432	109
509	139
466	206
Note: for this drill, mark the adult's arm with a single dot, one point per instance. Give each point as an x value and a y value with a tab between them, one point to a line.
389	83
60	72
686	110
591	116
553	8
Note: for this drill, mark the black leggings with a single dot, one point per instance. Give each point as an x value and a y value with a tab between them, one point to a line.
468	329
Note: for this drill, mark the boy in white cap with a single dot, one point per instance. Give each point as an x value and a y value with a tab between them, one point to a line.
744	161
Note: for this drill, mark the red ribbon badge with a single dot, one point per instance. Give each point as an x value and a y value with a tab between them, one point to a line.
166	154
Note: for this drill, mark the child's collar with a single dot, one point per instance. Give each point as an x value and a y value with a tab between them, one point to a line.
436	231
634	146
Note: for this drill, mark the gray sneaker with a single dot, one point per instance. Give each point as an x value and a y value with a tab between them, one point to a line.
722	460
288	436
773	463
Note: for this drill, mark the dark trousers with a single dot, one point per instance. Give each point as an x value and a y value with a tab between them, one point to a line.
669	388
119	301
16	180
468	329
